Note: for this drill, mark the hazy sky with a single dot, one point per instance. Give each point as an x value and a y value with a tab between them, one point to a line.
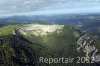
29	7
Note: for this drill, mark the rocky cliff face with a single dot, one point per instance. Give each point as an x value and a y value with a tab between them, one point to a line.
87	43
38	29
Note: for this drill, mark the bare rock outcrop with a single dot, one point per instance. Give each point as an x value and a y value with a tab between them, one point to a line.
87	43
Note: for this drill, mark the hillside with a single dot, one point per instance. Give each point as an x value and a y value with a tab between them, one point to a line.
23	44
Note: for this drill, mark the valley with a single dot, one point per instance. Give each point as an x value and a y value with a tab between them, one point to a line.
23	44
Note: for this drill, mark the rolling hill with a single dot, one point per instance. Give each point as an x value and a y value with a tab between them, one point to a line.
87	22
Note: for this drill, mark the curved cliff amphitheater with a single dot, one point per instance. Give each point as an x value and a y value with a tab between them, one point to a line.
39	29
